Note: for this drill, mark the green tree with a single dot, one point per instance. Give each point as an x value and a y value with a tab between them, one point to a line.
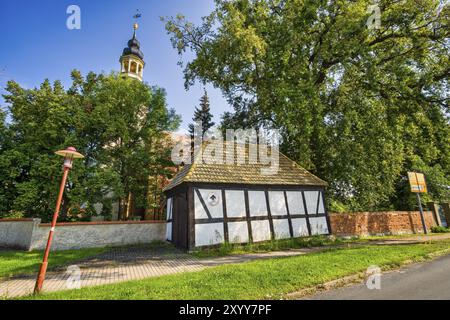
202	114
357	106
35	131
113	121
6	182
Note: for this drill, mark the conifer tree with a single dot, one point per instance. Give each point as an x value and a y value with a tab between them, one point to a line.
202	114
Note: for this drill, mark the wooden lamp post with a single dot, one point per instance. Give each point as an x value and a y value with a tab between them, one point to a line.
69	155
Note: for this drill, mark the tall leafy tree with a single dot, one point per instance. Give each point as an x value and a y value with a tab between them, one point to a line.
114	121
358	106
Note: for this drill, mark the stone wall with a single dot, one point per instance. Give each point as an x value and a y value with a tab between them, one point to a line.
30	234
379	223
17	233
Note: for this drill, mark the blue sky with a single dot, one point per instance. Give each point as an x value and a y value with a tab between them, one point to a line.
36	44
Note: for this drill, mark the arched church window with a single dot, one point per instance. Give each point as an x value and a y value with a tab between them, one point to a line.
125	66
133	67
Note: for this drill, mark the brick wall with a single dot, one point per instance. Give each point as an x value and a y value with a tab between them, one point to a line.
377	223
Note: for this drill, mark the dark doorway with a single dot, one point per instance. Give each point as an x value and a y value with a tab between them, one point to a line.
180	221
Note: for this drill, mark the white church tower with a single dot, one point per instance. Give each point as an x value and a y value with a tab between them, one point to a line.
132	60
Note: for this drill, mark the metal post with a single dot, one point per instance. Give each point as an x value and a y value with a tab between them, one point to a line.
43	269
435	210
421	214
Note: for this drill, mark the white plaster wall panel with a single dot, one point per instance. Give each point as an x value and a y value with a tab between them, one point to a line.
281	228
169	217
300	228
295	202
235	200
238	232
215	208
169	231
321	205
311	201
169	209
277	203
261	231
257	203
208	234
318	225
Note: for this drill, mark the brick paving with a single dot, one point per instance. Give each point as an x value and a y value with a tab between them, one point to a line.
134	263
116	265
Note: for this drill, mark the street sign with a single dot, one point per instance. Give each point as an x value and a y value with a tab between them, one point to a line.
417	182
418	186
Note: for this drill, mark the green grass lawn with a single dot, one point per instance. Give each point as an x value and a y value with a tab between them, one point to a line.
267	246
287	244
263	279
14	263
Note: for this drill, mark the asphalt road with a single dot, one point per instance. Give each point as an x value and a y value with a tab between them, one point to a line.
424	281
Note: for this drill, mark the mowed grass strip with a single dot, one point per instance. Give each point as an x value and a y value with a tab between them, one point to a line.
263	279
13	263
268	246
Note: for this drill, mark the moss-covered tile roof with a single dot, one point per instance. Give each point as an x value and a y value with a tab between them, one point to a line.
204	170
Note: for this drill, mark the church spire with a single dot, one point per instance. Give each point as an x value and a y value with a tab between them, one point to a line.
132	60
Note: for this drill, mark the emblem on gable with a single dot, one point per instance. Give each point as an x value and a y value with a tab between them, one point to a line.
213	199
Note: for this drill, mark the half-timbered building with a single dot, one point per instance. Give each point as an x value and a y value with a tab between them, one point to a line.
209	204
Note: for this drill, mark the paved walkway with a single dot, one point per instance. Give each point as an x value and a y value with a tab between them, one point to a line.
134	263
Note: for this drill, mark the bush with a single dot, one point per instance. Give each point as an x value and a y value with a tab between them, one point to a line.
338	207
440	230
12	215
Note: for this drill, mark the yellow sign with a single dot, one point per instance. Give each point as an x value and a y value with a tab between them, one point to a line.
417	182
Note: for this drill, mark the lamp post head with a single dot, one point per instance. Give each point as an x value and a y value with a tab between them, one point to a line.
69	154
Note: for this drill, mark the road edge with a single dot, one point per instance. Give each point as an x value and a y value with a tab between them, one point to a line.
358	277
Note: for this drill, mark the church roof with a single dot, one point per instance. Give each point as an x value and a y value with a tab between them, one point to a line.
203	170
133	48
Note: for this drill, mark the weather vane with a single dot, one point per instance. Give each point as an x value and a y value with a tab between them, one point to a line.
136	17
